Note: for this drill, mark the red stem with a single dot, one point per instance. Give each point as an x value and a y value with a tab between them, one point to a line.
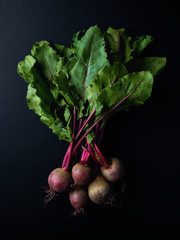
65	160
67	157
68	154
92	154
85	124
84	156
98	152
74	124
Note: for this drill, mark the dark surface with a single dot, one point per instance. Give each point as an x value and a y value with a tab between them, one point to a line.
146	138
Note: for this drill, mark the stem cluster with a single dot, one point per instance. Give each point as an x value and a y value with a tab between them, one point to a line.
88	149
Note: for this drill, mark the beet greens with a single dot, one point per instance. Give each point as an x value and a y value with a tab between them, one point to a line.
75	90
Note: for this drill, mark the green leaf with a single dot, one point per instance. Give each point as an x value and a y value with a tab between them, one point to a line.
33	100
152	64
107	77
64	133
47	117
81	108
41	101
62	87
67	114
110	74
139	82
90	51
27	70
50	118
121	47
53	69
62	51
139	43
118	43
24	68
90	137
76	37
47	58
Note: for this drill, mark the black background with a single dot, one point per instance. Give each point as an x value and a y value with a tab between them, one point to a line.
146	138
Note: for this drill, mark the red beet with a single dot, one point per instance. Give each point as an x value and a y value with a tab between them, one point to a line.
78	198
115	170
81	174
59	180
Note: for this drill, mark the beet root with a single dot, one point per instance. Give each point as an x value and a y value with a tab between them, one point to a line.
59	180
115	171
78	199
81	174
100	191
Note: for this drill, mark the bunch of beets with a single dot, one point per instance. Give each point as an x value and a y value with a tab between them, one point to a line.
93	178
74	90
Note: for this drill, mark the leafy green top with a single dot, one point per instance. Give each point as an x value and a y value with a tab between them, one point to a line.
97	73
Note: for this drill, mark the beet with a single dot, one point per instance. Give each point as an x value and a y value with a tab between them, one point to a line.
81	174
59	180
114	171
100	191
78	199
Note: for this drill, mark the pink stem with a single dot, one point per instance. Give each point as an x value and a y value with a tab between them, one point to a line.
85	123
67	159
64	160
68	154
98	159
84	156
80	123
92	153
74	124
98	152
